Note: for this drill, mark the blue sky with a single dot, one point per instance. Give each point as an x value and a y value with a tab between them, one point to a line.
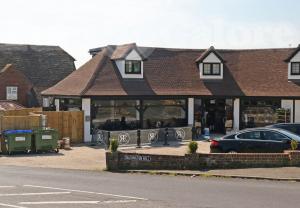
79	25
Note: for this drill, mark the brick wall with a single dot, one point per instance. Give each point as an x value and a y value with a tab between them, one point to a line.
123	161
13	77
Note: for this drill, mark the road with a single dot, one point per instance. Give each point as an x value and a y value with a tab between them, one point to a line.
22	187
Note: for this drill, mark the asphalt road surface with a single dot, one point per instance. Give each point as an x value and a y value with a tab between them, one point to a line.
49	188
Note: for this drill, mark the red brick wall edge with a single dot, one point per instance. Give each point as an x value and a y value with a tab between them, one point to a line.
127	161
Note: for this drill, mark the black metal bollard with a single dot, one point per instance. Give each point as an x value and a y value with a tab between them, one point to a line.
138	140
166	137
194	132
108	140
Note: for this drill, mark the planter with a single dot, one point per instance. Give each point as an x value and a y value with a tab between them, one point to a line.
112	160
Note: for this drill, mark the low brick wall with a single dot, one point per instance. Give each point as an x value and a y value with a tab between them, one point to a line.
126	161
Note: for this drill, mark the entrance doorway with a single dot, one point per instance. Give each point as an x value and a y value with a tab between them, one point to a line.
214	115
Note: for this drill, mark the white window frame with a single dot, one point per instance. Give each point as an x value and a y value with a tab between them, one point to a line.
211	59
11	93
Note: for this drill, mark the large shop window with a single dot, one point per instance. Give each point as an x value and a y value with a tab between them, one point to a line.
115	114
258	113
164	113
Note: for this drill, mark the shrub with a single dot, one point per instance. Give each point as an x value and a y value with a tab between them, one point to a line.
294	145
193	146
114	144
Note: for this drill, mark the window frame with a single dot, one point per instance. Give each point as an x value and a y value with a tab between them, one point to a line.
126	69
17	94
292	63
211	65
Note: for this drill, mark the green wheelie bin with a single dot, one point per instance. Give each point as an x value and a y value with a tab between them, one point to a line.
45	140
17	141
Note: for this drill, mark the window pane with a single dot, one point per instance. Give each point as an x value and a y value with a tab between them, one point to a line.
115	114
12	93
295	68
165	113
258	114
216	68
270	135
133	67
137	67
250	135
206	68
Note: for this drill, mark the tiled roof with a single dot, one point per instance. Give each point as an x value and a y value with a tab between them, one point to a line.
9	105
44	66
257	72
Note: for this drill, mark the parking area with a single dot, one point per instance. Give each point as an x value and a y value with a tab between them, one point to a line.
79	157
27	196
174	148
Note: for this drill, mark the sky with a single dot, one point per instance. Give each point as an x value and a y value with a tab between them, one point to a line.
77	25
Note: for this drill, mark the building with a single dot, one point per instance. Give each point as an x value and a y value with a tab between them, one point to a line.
15	86
43	66
127	87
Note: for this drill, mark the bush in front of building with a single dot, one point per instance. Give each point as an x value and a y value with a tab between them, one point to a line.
114	144
294	145
192	147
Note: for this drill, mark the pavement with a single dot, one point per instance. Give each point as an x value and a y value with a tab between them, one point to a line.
27	187
273	174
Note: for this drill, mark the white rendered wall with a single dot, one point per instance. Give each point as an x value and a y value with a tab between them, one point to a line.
297	110
288	104
296	58
190	111
133	55
86	107
236	114
211	58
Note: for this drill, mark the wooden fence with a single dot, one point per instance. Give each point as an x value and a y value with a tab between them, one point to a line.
68	123
21	112
20	122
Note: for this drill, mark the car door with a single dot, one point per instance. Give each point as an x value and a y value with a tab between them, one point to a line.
250	141
276	141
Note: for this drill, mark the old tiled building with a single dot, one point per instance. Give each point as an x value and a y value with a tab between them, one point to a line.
43	67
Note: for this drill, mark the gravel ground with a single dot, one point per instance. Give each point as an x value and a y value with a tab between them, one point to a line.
87	158
79	157
172	149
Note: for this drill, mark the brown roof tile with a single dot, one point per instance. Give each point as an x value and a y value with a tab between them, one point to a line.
260	72
9	105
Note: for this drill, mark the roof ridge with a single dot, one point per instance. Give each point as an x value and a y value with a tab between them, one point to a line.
103	53
23	44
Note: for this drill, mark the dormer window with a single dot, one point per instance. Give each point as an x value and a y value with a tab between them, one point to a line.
133	67
295	68
210	64
213	69
129	61
294	64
